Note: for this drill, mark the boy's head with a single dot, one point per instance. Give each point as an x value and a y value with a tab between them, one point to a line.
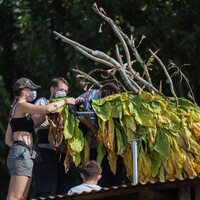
91	171
108	89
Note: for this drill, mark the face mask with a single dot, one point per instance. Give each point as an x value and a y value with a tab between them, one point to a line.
60	93
32	95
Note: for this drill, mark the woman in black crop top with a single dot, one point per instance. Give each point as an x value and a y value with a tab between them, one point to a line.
19	135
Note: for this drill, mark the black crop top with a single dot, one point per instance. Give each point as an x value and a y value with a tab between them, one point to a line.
22	124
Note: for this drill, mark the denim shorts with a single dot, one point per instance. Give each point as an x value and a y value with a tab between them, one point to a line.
20	160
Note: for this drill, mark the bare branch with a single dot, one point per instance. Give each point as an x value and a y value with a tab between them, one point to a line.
151	87
124	75
111	73
99	57
94	58
118	34
82	49
119	68
119	57
130	77
135	84
88	77
134	61
146	84
131	43
122	64
167	75
182	76
71	42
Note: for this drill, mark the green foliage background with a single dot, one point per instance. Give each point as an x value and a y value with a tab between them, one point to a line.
28	47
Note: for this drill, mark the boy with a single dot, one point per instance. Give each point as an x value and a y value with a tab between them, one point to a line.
91	174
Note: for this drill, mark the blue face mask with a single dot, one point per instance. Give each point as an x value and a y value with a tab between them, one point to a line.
60	93
32	95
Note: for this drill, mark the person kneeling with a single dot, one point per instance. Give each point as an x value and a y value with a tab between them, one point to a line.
91	174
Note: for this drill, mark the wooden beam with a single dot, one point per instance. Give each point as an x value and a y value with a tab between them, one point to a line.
196	192
184	193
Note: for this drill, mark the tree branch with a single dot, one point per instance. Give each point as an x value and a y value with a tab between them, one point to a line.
86	76
82	49
167	75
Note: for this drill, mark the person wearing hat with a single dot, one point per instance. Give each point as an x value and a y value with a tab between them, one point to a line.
19	135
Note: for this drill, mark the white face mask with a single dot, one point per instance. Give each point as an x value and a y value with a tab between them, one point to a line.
32	95
60	93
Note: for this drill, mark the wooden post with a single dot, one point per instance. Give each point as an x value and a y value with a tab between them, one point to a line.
184	193
196	192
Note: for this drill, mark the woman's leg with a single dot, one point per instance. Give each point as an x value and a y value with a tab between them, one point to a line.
27	188
18	187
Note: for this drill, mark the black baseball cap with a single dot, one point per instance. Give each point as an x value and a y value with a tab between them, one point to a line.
24	83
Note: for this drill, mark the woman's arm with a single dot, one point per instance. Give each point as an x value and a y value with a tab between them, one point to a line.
38	119
30	108
9	136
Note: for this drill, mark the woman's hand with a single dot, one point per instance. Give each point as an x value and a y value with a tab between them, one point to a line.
80	100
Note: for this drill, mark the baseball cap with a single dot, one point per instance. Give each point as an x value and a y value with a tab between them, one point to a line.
24	83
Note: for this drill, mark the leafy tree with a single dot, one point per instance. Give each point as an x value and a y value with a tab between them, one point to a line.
3	150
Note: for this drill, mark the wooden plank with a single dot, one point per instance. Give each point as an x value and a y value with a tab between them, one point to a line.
175	184
180	190
184	193
196	192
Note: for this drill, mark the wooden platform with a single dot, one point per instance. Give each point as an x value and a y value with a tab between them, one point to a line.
188	189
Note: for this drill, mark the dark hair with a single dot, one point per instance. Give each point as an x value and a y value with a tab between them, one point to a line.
16	95
55	81
18	92
91	170
108	89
